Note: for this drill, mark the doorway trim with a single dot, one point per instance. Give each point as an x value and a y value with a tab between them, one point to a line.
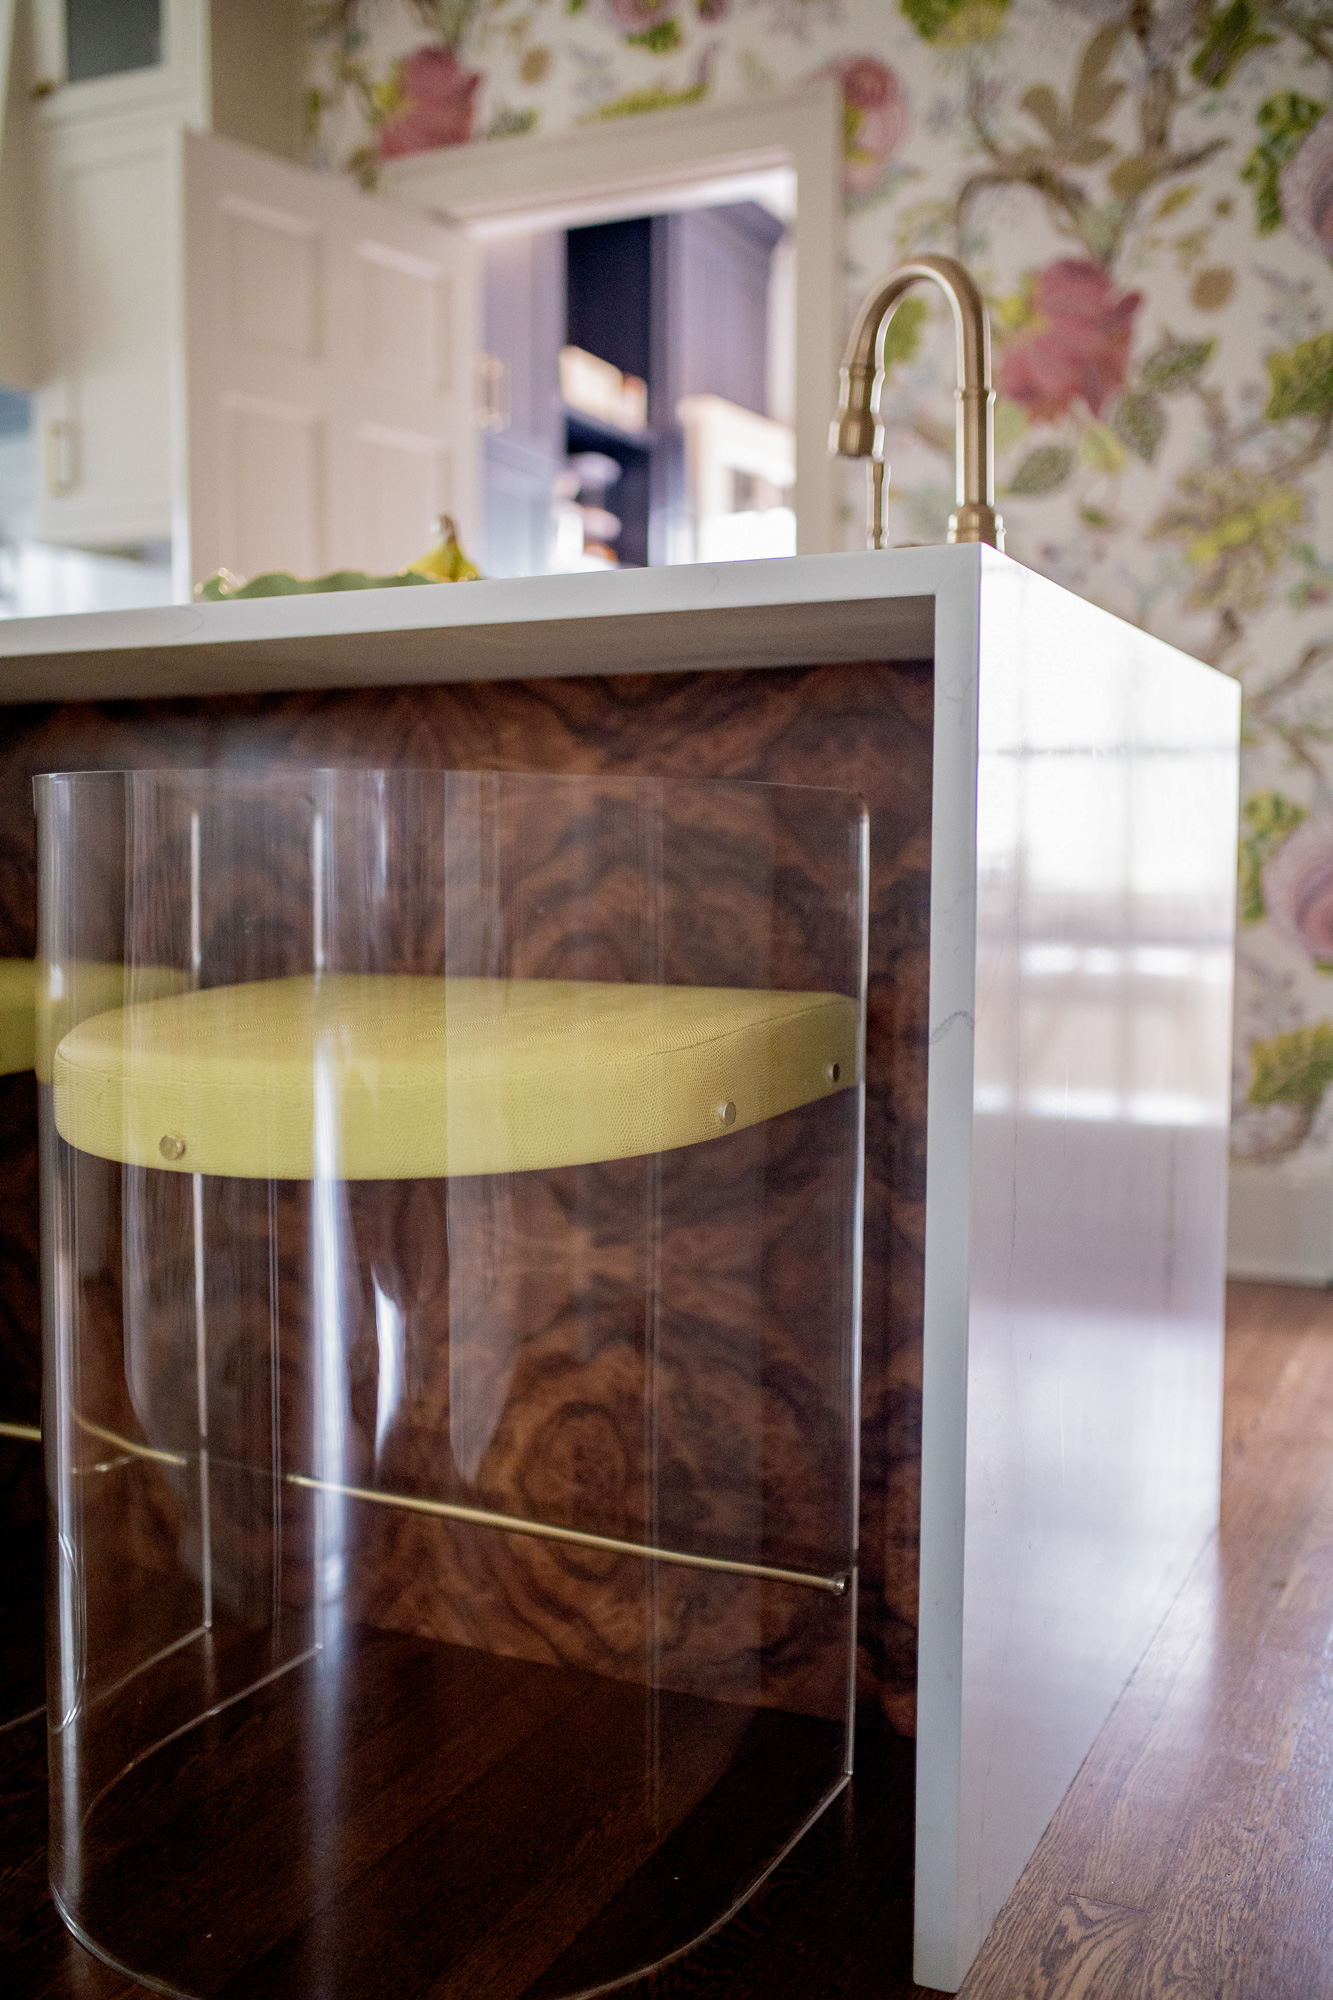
662	160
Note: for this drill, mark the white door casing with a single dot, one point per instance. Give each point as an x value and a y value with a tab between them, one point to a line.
330	356
701	155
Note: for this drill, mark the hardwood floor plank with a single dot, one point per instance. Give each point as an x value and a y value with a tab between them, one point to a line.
1092	1949
1247	1885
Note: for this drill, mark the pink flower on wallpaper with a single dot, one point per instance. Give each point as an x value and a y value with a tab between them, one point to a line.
432	103
875	121
1306	188
1076	343
1298	888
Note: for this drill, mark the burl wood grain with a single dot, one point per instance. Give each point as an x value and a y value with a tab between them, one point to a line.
867	728
616	1348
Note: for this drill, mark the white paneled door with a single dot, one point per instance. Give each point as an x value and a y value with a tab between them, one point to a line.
330	357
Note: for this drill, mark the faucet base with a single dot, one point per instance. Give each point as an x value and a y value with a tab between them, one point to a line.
976	522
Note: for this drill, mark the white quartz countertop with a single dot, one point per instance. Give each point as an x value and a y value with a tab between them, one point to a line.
789	612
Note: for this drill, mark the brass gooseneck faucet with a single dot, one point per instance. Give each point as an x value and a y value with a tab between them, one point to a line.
857	432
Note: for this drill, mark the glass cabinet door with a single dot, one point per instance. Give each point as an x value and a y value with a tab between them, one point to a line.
102	40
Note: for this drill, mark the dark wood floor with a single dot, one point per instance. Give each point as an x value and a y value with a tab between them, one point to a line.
1191	1858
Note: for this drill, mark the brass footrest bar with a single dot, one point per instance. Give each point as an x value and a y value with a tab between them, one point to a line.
130	1446
28	1432
514	1524
507	1524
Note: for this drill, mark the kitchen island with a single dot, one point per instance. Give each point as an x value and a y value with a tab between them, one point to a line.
1052	801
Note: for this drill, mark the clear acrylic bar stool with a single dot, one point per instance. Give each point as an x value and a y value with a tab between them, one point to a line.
22	1500
454	1194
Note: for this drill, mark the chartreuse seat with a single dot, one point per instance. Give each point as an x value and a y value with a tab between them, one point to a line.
60	993
18	995
389	1077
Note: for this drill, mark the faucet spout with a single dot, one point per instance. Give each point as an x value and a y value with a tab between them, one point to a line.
857	431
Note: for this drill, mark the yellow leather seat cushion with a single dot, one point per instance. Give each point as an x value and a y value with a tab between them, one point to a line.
369	1077
69	990
18	999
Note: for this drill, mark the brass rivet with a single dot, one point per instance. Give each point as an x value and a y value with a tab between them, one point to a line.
833	1072
727	1113
170	1147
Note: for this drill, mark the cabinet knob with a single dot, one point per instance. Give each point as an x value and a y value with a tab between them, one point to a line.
45	86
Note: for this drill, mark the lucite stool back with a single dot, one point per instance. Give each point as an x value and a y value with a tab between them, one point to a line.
453	1274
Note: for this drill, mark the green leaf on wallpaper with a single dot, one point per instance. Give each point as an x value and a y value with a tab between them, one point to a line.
1284	121
1087	152
635	102
660	39
1095	96
1101	450
451	20
902	336
1301	381
1042	104
1213	288
1134	173
1315	587
1175	198
1139	421
1231	35
1175	364
1268	818
1295	1068
1042	471
953	24
512	124
1101	227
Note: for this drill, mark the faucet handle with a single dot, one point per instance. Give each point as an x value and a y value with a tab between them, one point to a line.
856	431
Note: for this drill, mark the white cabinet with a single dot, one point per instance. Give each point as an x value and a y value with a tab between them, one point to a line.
104	91
108	224
233	355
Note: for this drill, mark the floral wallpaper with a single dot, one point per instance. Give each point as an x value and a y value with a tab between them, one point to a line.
1145	190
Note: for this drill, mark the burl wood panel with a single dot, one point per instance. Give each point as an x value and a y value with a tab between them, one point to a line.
867	728
616	1348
